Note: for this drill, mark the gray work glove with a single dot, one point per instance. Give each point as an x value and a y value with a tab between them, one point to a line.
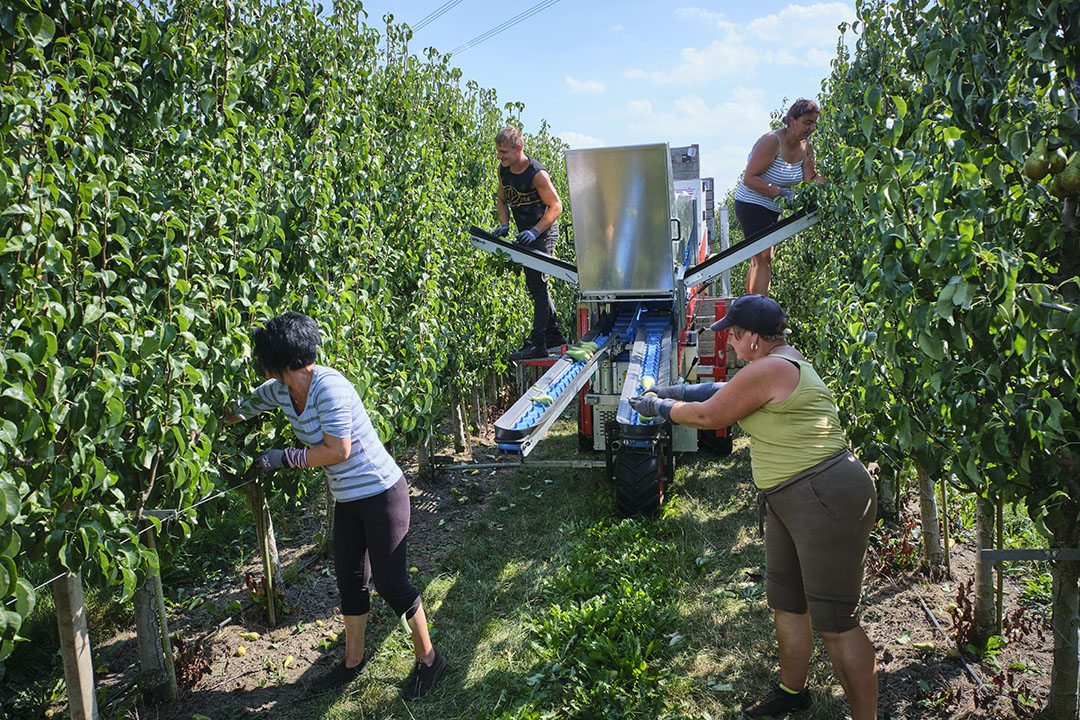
272	461
526	237
501	231
699	392
786	194
650	406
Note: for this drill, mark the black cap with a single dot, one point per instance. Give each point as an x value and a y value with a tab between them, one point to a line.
756	313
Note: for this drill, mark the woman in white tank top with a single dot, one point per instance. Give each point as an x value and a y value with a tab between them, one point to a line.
779	160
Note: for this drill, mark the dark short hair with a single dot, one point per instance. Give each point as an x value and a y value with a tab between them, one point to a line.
286	342
801	107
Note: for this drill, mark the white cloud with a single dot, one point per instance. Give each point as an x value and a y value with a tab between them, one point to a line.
591	87
617	28
797	36
803	26
691	119
696	13
579	140
728	57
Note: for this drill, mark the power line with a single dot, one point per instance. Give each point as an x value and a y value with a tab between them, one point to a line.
539	7
436	14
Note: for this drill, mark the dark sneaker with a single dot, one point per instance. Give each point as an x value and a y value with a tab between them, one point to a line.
529	352
338	677
778	702
423	678
556	339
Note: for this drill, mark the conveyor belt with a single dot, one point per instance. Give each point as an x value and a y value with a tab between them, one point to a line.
528	419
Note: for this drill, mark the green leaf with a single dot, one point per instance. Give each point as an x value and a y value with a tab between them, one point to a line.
1019	144
42	28
10	502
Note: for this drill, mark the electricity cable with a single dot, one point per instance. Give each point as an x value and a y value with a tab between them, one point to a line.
539	7
435	14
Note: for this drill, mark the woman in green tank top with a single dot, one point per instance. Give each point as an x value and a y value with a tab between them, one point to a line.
818	499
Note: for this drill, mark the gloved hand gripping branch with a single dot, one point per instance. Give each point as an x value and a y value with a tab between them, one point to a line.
501	231
273	460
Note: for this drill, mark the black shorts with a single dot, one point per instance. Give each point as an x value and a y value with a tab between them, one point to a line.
754	218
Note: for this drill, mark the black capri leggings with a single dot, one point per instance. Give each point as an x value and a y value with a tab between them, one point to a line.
369	542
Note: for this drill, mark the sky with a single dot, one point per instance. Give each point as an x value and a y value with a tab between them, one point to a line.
605	73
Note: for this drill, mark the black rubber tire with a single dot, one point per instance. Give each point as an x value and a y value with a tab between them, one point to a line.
719	446
639	487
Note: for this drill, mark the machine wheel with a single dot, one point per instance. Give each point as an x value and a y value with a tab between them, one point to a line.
719	446
639	486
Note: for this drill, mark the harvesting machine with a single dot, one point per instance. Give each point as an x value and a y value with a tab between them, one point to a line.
641	274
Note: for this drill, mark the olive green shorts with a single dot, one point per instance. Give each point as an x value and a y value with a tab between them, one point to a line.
817	526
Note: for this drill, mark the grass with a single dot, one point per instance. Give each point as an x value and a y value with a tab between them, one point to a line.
553	607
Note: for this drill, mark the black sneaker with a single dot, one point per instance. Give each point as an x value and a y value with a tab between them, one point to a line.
424	678
529	352
339	676
778	702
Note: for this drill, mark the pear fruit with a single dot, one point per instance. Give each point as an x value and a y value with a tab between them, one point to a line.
1058	160
1057	189
1070	176
1037	164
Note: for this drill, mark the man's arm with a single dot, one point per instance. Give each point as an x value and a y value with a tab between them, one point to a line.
500	206
543	185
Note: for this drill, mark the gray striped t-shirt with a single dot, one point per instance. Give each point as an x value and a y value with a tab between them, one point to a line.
334	408
781	173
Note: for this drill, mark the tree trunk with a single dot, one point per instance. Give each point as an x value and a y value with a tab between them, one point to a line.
153	679
1062	702
886	494
985	601
477	416
327	542
457	420
933	555
423	459
75	646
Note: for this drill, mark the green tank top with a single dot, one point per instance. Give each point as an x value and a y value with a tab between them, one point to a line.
790	436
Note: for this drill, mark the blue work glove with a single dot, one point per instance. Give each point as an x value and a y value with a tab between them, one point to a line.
272	461
699	392
648	405
786	194
501	231
526	237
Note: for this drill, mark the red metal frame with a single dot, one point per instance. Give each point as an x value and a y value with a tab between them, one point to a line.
585	416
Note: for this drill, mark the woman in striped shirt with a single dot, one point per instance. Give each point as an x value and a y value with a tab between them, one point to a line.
779	160
371	509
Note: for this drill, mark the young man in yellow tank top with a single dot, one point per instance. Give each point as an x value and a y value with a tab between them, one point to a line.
819	501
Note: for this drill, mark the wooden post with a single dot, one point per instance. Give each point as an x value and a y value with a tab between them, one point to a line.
67	594
984	583
1000	546
945	528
